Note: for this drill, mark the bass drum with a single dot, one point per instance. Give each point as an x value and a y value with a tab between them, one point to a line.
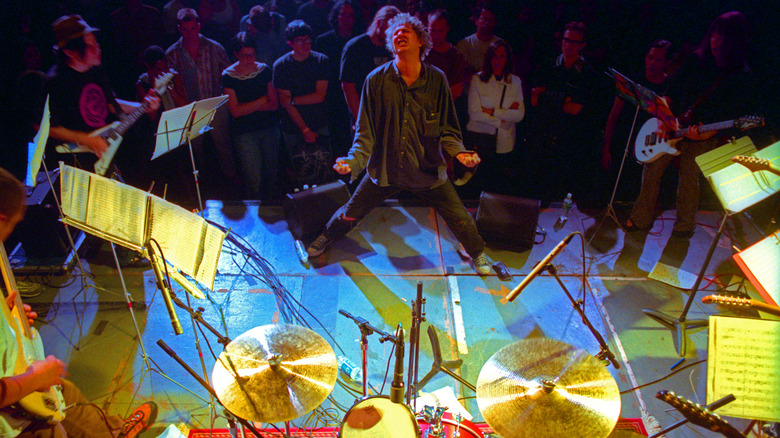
451	428
377	417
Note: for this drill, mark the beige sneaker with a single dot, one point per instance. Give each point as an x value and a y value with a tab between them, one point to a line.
482	264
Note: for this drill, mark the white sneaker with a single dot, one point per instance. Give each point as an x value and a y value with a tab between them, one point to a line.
482	264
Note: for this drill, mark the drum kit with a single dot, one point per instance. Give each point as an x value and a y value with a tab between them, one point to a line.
534	387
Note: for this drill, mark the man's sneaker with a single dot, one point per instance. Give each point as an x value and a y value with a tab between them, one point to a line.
319	245
482	264
142	417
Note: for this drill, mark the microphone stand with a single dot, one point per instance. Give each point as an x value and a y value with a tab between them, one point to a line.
418	316
604	353
366	329
224	340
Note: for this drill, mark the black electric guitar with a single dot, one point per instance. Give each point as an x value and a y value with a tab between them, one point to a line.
44	405
652	142
112	133
699	415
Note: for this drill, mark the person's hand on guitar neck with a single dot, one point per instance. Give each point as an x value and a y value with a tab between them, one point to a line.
693	133
153	100
11	301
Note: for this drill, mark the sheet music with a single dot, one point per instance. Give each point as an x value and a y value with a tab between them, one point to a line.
35	149
117	210
179	233
170	129
762	261
212	248
204	112
742	360
738	188
74	190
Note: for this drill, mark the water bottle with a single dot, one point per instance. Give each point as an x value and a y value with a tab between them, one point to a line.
349	368
567	204
300	249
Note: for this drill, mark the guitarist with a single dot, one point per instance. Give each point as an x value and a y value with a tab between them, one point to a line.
80	97
713	84
81	417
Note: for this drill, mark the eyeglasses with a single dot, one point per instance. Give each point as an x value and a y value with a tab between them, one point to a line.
573	41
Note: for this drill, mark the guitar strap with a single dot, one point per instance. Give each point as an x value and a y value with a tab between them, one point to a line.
688	114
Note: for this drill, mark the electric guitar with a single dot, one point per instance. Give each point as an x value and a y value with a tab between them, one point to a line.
741	302
44	405
112	133
652	142
756	164
699	415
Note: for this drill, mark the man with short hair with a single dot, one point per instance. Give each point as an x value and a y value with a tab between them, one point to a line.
301	79
474	46
82	418
267	29
406	123
362	54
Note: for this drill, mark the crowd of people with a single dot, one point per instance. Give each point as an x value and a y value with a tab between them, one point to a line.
527	79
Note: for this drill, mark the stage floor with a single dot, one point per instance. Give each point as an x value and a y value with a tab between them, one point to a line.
373	273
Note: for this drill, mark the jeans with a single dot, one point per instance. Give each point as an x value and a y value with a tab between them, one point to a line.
443	198
258	159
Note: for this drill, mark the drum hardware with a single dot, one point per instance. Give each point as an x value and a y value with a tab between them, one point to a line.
432	415
441	366
275	373
367	329
545	388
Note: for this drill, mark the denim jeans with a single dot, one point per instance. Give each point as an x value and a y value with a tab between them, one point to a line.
258	158
443	198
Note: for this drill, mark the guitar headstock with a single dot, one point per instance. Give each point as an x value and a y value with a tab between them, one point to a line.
727	301
696	414
749	122
161	82
753	163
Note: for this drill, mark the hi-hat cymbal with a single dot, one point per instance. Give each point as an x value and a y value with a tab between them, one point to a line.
546	388
275	373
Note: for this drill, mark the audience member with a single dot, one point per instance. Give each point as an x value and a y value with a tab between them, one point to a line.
267	29
654	78
169	13
156	66
343	18
211	28
253	102
301	79
134	27
444	55
363	54
315	14
495	107
200	61
82	418
226	13
562	138
287	8
713	85
474	46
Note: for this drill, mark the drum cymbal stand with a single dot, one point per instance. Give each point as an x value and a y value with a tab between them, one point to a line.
367	329
440	366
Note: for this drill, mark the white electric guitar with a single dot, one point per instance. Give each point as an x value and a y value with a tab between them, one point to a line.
112	133
44	405
652	142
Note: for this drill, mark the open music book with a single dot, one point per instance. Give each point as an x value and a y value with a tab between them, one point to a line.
736	186
130	217
760	263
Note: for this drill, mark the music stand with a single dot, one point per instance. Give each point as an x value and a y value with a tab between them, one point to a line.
642	98
183	124
730	182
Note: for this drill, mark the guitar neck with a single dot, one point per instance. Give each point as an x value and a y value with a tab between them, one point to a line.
741	302
131	118
10	286
706	128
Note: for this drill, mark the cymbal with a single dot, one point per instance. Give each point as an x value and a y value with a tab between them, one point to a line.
621	433
547	388
275	373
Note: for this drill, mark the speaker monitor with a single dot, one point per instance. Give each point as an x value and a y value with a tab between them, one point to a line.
507	221
308	211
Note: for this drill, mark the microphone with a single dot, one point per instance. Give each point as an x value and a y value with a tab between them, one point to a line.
397	387
186	285
165	288
539	268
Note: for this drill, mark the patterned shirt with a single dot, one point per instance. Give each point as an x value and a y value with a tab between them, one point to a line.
202	76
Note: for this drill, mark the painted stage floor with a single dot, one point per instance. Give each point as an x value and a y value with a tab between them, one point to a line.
374	273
